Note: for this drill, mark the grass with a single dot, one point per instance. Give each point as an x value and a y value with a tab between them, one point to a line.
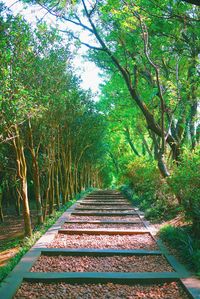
25	244
182	240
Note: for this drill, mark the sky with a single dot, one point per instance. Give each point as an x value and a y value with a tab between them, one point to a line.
87	70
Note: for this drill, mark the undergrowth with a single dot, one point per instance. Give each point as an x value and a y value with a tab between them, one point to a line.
182	239
154	208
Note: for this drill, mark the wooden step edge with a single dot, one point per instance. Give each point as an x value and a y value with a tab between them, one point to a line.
102	231
103	214
102	222
105	209
91	251
98	277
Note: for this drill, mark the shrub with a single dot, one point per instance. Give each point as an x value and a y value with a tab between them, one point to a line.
185	181
180	238
151	192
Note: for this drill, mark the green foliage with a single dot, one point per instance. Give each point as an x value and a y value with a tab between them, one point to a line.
151	192
180	238
144	175
44	106
119	138
185	181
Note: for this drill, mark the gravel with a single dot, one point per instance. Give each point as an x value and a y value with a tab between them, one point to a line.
141	241
106	211
104	207
112	218
109	226
170	290
145	263
112	203
107	201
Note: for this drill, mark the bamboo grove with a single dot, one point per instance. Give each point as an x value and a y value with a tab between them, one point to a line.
50	131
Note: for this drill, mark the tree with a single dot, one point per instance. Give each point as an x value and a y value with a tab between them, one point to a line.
118	34
44	115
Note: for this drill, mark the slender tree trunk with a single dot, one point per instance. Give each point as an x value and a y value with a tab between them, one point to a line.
1	208
193	96
128	138
57	191
61	183
71	178
192	124
76	179
162	166
51	192
36	176
18	202
45	204
26	210
82	183
144	142
22	174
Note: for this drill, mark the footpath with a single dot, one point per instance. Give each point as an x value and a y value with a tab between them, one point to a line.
101	247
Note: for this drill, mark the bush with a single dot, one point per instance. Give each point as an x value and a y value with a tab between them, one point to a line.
158	197
151	192
185	181
180	238
144	176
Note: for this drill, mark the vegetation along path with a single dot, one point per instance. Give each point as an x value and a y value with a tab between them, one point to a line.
99	95
101	247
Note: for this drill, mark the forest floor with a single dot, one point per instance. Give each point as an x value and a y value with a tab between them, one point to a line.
11	231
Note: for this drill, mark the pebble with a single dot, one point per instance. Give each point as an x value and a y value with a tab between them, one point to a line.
143	241
101	291
114	263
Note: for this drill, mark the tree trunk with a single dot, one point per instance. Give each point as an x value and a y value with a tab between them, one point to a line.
51	192
22	174
1	209
150	119
57	191
18	202
144	142
26	210
162	166
128	138
36	179
192	124
36	176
